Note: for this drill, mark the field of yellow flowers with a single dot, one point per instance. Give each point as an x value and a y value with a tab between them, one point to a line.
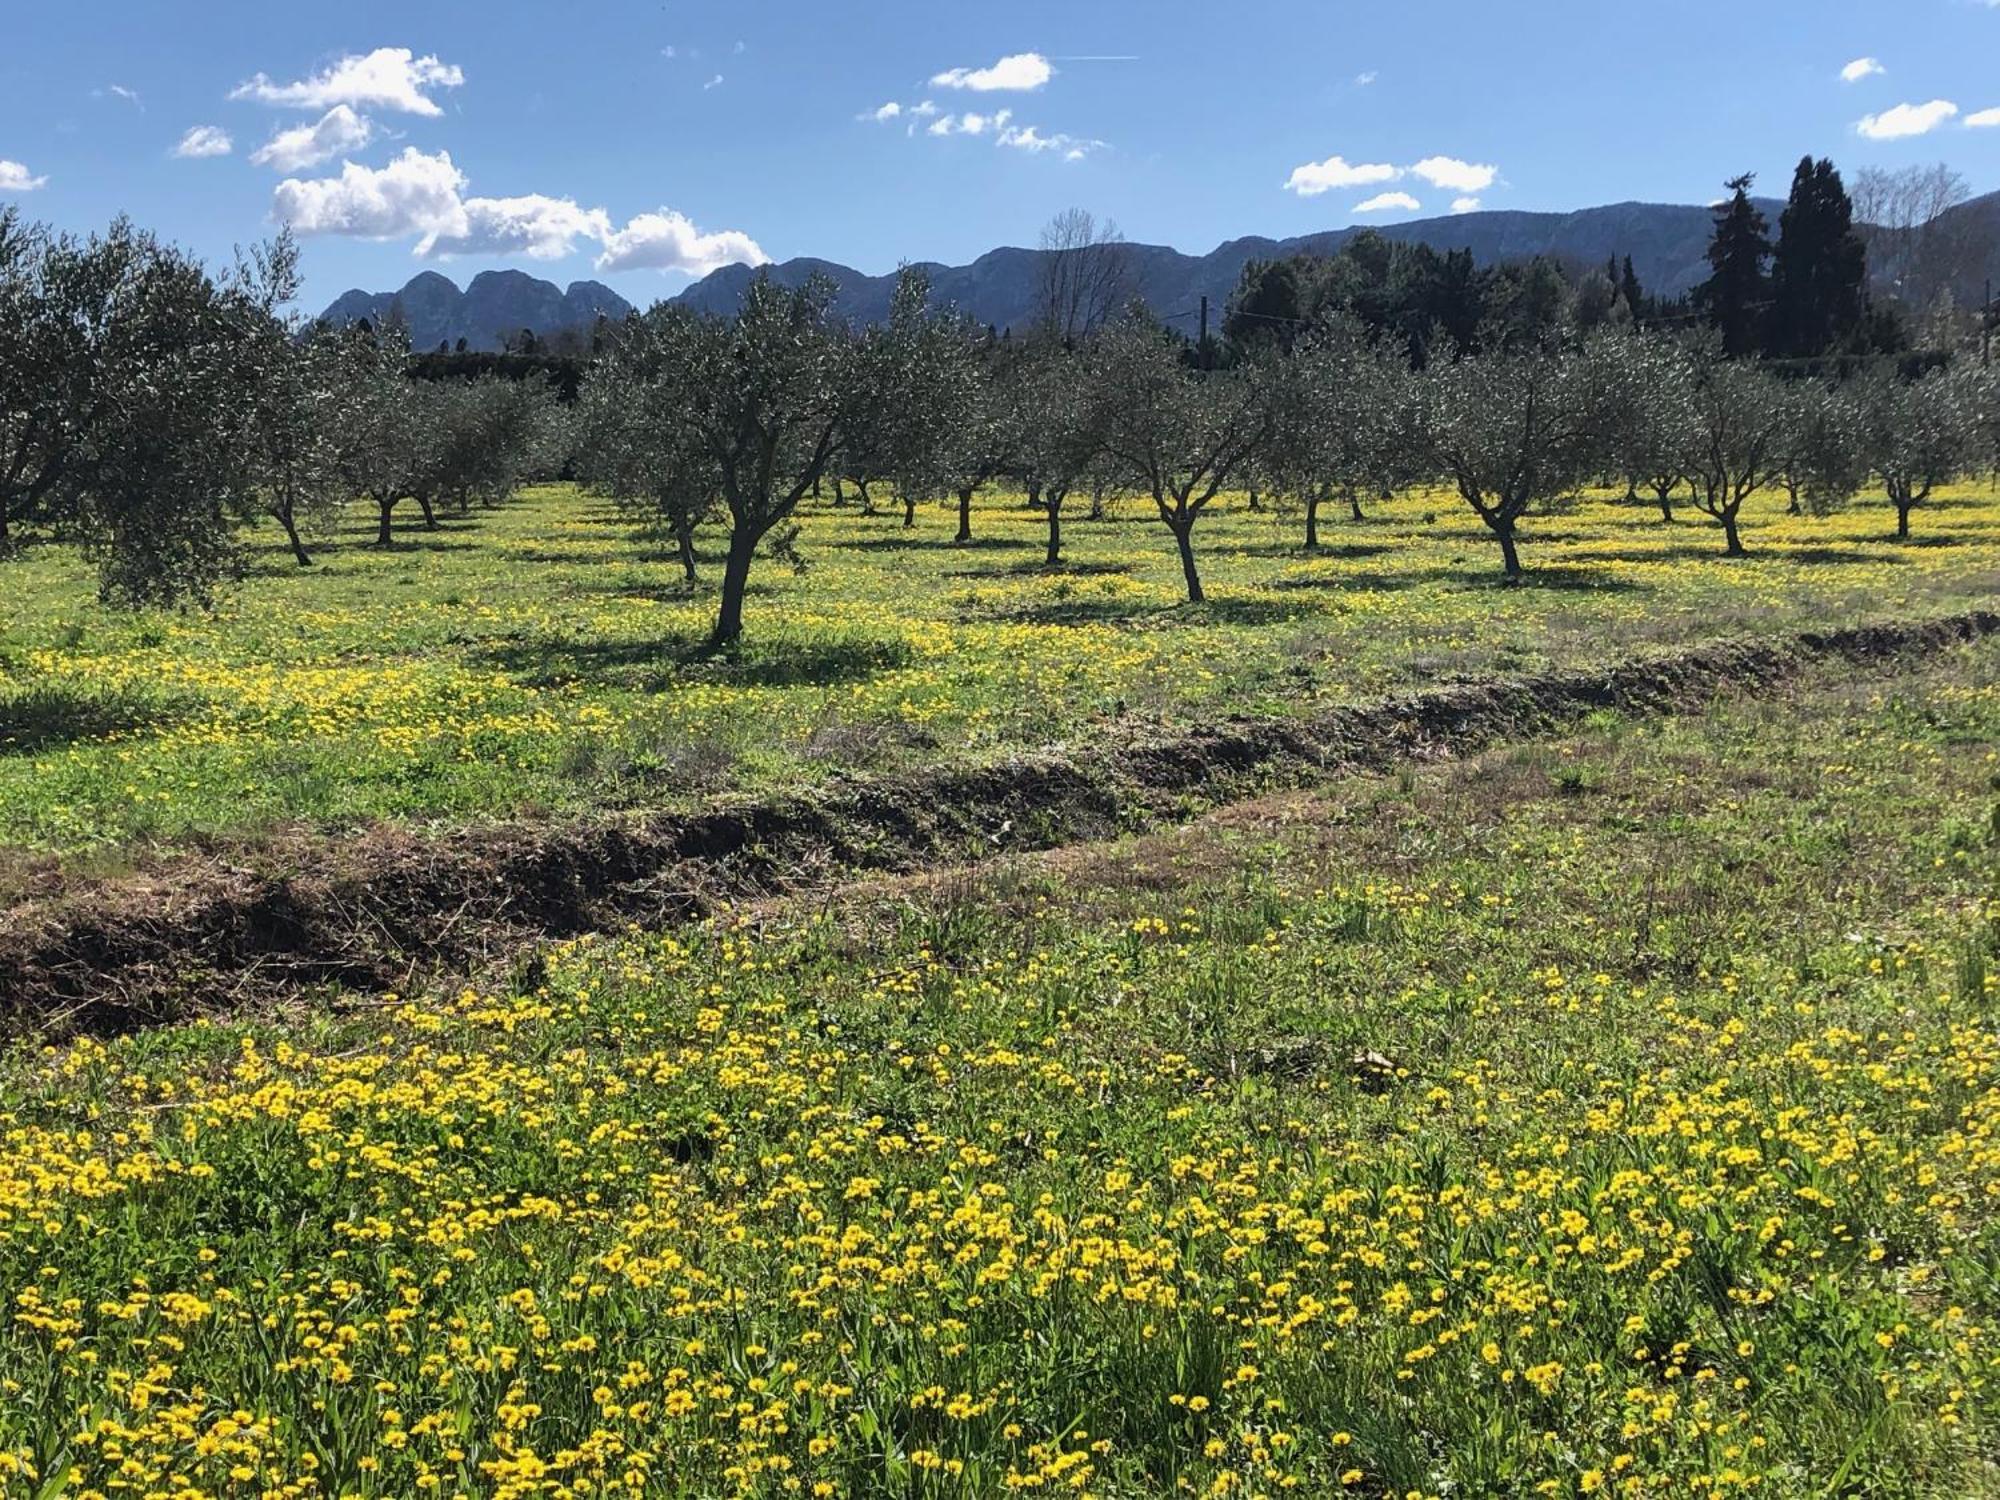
543	657
1618	1116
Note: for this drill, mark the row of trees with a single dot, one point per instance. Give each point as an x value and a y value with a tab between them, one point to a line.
148	409
696	422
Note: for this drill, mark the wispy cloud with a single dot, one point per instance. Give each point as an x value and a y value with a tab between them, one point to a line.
204	141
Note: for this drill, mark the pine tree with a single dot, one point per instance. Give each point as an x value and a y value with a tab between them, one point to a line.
1736	293
1819	275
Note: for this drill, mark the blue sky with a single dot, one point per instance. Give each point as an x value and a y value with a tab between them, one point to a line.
643	142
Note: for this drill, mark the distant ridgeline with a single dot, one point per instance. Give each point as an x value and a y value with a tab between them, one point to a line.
1667	244
499	311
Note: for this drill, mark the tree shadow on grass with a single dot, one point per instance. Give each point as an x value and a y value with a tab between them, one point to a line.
652	666
1299	552
919	541
54	714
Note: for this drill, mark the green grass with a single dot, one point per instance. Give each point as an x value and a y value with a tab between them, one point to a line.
1615	1115
544	658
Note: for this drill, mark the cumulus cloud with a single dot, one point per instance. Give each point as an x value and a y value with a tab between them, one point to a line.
337	131
669	241
890	111
1465	205
1906	120
204	140
534	225
389	78
15	178
1860	68
422	196
1020	72
1317	177
1455	176
1984	119
1388	203
416	194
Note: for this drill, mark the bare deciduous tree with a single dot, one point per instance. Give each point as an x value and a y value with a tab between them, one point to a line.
1086	276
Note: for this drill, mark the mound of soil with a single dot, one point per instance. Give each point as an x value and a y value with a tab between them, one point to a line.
375	912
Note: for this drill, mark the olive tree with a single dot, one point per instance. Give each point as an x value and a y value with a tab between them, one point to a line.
169	462
1056	445
1175	433
1338	410
61	300
1736	428
768	400
298	413
1515	432
1647	385
1917	434
632	446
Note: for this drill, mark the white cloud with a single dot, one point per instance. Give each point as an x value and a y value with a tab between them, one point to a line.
204	140
389	78
337	131
1021	71
1316	177
1362	80
119	91
533	225
925	109
1465	205
1984	119
414	194
888	111
1906	120
15	178
423	196
1455	176
1860	68
713	83
1028	138
669	241
1388	202
970	123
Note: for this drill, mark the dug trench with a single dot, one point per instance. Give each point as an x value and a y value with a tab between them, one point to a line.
393	907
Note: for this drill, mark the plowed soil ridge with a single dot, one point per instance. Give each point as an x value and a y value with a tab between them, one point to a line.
376	911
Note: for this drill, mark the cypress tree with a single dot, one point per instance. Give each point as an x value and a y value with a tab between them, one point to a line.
1736	293
1629	289
1819	275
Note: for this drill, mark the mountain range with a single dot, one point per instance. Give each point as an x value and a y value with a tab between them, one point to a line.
1667	242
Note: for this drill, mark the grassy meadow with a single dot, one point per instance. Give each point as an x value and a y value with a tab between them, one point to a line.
1614	1116
544	657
